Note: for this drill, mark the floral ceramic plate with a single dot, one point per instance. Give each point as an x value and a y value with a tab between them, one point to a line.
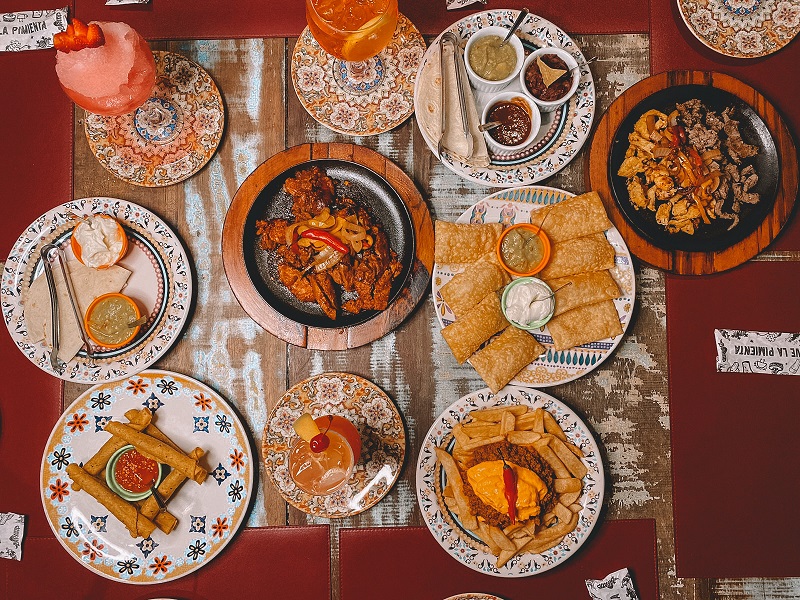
445	527
359	98
742	28
563	132
171	136
189	413
383	441
160	283
553	367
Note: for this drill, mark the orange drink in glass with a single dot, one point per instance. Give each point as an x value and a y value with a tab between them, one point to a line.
321	469
114	78
352	30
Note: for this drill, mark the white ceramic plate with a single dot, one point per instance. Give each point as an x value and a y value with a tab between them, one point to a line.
445	527
562	133
552	367
160	282
189	413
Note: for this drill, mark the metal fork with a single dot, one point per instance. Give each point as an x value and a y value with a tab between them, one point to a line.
49	251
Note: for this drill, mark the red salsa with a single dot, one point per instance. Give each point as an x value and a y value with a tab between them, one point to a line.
135	472
515	123
535	83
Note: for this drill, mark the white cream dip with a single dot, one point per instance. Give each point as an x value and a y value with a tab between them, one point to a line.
528	302
101	241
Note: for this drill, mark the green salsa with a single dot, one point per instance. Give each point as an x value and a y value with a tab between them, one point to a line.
491	61
522	250
109	319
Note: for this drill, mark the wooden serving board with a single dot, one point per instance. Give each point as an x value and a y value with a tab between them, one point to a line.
677	261
299	334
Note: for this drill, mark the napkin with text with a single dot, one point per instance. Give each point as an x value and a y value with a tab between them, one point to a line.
615	586
767	352
454	4
31	29
12	530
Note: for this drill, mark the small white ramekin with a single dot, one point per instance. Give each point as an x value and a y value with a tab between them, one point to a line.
486	85
533	111
571	63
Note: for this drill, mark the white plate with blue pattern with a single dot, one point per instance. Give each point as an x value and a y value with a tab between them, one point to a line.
192	415
462	544
553	367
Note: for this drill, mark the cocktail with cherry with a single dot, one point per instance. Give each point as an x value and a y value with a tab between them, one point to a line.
322	460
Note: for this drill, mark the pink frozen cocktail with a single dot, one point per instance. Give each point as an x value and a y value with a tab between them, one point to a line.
113	78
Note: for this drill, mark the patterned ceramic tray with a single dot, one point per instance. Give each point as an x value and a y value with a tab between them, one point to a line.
359	98
160	282
445	527
742	28
383	440
562	133
552	367
209	514
171	136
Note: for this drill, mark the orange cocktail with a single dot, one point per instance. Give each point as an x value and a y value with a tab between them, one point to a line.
352	30
320	467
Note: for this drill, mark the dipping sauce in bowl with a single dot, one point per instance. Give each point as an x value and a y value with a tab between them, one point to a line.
523	249
528	303
536	85
99	241
490	60
515	122
130	474
108	319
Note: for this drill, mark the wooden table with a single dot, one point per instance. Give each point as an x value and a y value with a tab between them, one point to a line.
624	400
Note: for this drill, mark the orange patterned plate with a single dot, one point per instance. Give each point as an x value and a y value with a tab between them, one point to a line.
171	136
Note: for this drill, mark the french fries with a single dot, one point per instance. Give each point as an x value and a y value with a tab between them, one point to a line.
523	426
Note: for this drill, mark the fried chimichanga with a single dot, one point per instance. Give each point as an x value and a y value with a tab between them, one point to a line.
505	356
139	420
585	324
468	288
478	325
457	243
583	288
573	218
589	253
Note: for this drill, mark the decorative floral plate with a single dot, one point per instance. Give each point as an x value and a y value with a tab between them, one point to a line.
742	28
359	98
562	133
189	413
553	367
445	527
383	441
160	282
171	136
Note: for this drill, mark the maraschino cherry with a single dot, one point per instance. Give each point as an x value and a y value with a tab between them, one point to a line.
321	441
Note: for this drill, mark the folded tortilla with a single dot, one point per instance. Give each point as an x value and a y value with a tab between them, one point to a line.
88	284
469	287
589	253
478	325
459	243
588	323
505	356
573	218
158	450
583	288
138	525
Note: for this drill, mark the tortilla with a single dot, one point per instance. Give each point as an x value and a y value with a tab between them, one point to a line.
573	218
583	288
589	253
88	284
588	323
505	356
457	243
469	287
478	325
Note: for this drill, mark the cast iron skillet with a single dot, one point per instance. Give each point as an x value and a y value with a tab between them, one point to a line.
713	237
356	181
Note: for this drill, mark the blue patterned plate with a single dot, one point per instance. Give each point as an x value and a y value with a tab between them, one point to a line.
460	543
192	415
551	368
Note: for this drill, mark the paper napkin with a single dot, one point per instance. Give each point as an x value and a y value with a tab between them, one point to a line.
12	530
454	4
31	29
757	352
616	586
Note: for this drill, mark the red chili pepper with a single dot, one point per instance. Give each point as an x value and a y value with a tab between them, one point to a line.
680	135
320	235
697	160
510	483
295	247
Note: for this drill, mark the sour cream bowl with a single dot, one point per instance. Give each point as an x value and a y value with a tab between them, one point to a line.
528	303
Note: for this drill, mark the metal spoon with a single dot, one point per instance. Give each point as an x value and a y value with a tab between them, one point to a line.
47	252
520	18
489	125
162	506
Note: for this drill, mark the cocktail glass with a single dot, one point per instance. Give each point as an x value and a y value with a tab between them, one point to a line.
112	79
322	473
352	30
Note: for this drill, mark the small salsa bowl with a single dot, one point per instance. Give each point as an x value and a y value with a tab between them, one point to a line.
95	305
535	258
525	281
77	250
488	85
114	485
525	103
572	64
